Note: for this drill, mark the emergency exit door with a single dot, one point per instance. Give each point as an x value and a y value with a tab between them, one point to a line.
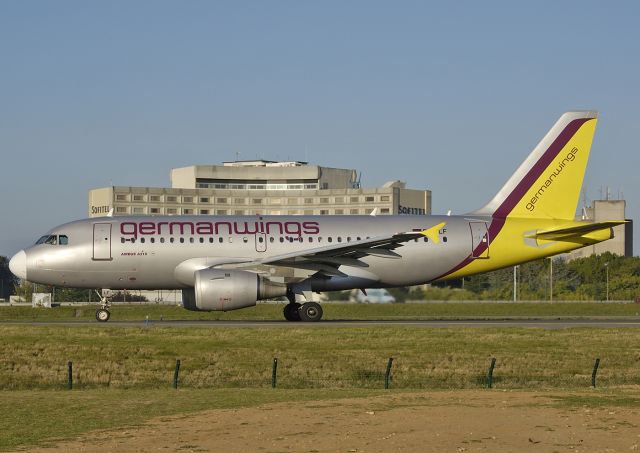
102	241
479	240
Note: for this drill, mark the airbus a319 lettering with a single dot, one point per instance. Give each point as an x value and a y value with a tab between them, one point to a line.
231	262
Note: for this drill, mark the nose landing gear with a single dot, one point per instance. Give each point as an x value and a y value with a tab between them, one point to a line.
103	314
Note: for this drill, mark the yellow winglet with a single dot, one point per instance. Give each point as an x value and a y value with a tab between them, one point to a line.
432	233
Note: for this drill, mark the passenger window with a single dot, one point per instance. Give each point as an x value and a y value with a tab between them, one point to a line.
142	240
153	240
211	240
63	240
330	239
122	240
171	240
181	240
162	240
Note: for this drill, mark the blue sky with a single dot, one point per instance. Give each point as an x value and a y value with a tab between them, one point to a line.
448	96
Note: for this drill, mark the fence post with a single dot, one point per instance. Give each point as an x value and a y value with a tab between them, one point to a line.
595	372
387	374
274	373
176	374
490	376
70	375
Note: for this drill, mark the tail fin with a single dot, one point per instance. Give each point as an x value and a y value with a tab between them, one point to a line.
548	183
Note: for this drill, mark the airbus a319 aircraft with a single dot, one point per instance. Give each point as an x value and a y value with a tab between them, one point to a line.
226	263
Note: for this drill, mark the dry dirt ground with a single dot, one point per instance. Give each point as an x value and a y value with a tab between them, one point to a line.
459	421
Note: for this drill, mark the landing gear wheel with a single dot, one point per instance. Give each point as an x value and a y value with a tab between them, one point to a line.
290	311
102	314
310	312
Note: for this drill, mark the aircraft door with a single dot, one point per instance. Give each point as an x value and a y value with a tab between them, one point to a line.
479	240
101	241
261	242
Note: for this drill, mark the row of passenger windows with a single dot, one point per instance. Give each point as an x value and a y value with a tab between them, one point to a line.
245	239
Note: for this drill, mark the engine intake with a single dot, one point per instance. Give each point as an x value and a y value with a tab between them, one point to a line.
224	290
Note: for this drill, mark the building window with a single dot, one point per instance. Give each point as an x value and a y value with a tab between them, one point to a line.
121	210
221	212
204	199
256	200
308	201
172	199
354	211
308	212
187	199
354	199
172	211
384	198
294	201
339	211
324	212
221	201
238	212
204	211
154	198
121	198
325	185
138	198
339	199
238	201
187	211
324	200
384	211
154	210
369	199
138	210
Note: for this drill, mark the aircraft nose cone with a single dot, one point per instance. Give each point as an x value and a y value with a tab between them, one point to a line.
18	265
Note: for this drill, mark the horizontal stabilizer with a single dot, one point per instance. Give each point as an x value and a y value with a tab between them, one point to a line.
575	230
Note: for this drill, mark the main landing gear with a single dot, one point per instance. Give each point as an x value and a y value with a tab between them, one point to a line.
308	311
103	314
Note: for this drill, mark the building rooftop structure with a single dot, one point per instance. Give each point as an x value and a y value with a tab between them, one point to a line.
261	187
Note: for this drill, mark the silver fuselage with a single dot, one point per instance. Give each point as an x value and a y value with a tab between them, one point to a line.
157	252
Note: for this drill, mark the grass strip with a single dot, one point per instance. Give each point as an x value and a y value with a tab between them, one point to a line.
333	311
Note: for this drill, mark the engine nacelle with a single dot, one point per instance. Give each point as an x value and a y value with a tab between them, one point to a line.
224	290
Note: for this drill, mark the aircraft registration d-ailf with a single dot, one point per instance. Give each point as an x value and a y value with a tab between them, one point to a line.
229	262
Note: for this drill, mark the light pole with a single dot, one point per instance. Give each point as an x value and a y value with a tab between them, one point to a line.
606	270
515	283
550	279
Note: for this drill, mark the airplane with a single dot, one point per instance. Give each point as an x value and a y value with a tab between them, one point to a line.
226	263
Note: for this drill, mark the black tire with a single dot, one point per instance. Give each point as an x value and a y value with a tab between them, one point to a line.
310	312
102	315
291	313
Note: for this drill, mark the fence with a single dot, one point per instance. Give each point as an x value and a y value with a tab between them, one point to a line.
278	373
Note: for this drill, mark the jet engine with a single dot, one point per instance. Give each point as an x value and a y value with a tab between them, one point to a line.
224	290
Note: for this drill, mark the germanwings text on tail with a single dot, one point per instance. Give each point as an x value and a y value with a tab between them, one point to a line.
231	262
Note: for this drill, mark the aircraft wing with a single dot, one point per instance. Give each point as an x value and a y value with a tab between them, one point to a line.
327	259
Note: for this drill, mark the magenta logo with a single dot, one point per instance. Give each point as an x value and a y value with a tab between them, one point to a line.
135	229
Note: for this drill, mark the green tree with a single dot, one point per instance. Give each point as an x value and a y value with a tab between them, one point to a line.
8	281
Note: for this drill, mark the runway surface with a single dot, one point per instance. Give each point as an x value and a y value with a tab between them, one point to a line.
555	323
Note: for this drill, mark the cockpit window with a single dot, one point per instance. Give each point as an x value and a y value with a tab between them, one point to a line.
53	239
